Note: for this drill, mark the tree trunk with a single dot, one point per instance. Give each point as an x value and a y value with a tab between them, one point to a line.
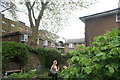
31	16
34	36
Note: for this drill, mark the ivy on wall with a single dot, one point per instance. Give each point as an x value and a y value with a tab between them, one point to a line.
12	51
46	56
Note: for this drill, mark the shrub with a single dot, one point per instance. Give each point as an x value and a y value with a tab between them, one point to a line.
101	61
29	74
46	56
12	51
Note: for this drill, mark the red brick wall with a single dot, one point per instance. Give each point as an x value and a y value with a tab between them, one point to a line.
14	38
99	26
67	49
33	62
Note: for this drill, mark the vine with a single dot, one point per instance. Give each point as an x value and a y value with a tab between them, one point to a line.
12	51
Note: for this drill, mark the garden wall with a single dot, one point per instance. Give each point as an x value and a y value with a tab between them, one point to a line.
33	62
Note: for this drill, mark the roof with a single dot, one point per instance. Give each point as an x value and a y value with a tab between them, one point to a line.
21	28
14	33
43	36
82	40
110	12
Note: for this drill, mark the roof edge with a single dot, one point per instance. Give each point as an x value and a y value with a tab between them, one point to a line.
99	14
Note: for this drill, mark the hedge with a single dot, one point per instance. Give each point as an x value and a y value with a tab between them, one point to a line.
47	55
12	51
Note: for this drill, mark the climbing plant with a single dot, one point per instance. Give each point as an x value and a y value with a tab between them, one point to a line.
47	56
12	51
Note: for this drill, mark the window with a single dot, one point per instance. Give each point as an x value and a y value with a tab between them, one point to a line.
24	38
45	43
3	22
71	45
118	17
38	41
83	44
2	30
27	30
60	44
12	25
52	44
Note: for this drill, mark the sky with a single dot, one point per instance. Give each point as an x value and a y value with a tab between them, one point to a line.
76	28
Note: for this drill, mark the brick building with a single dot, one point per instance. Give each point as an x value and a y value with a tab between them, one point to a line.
71	44
17	31
100	23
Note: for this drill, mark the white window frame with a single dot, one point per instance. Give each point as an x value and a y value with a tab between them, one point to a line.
12	25
83	44
71	45
24	38
59	45
3	31
3	22
45	43
52	45
118	17
38	41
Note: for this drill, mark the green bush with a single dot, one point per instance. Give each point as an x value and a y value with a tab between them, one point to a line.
101	61
12	51
29	74
46	56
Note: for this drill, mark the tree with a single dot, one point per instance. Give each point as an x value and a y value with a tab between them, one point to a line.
50	14
10	7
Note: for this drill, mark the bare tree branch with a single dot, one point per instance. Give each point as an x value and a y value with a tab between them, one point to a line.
33	10
6	9
33	4
29	13
41	12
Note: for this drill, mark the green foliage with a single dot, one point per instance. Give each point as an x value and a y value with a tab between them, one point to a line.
29	74
12	51
46	56
101	61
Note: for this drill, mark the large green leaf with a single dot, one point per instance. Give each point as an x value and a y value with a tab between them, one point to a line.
99	62
88	70
111	69
115	65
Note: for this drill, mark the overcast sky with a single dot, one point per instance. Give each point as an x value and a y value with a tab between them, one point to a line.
76	28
